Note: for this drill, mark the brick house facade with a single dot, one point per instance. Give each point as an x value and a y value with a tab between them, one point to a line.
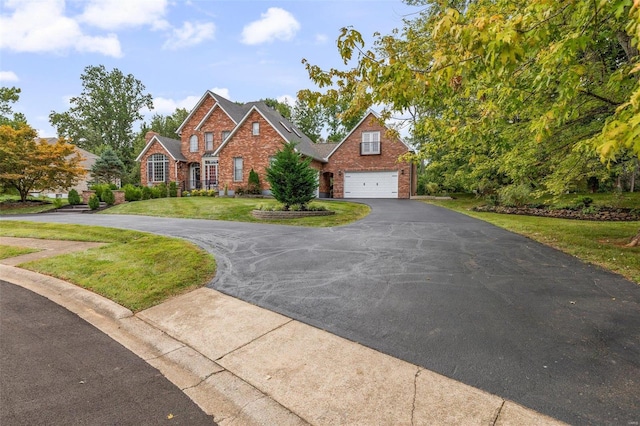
221	141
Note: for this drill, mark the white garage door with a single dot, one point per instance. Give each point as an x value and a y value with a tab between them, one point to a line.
371	184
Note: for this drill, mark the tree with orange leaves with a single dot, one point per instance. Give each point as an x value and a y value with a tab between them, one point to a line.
28	164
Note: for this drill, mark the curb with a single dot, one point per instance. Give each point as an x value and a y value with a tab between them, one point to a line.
218	392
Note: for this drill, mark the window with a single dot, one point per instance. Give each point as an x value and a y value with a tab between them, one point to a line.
193	143
370	143
255	128
237	169
208	141
225	135
157	168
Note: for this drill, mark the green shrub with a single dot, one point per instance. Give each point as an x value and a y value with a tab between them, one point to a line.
108	197
584	202
160	190
173	189
253	186
73	198
514	195
291	177
57	202
94	202
432	188
240	190
132	193
146	193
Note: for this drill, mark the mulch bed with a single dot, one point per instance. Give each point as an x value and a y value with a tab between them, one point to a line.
603	214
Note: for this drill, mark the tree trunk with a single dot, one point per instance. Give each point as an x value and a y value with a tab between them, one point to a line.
634	172
625	42
635	241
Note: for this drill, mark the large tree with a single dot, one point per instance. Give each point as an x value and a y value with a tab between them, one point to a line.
532	92
104	113
9	96
27	163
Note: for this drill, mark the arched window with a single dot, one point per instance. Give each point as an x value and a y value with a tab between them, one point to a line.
193	143
157	168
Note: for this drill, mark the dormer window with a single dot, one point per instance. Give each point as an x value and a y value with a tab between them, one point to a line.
370	143
193	143
255	128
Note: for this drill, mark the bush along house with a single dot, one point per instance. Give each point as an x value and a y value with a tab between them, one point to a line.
221	142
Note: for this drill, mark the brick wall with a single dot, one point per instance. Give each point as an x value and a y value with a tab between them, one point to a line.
156	148
217	122
254	150
348	158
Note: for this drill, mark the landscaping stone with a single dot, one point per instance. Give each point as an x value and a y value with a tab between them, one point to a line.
265	214
603	214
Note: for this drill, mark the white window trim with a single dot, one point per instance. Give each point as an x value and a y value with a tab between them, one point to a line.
370	144
255	128
153	161
238	169
193	138
207	146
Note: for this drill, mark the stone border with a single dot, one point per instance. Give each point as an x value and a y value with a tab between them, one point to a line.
266	214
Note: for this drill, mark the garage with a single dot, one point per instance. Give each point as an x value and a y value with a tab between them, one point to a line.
371	184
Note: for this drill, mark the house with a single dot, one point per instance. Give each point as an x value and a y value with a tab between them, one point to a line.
88	160
221	141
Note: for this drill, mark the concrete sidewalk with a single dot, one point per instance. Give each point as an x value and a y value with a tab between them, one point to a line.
246	365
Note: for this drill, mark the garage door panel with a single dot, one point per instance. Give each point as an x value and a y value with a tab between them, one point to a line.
371	184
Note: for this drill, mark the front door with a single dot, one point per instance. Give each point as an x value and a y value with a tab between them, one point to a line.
194	176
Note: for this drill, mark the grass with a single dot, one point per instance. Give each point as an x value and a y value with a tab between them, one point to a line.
10	204
135	269
12	251
237	210
599	243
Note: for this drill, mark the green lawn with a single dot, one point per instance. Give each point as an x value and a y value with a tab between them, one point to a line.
12	251
135	269
237	210
599	243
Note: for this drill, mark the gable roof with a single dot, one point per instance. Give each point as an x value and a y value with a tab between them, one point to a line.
233	110
171	146
89	157
370	112
282	126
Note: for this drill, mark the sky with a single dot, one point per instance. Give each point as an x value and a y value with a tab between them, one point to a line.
243	50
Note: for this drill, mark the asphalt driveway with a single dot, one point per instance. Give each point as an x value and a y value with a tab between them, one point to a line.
444	291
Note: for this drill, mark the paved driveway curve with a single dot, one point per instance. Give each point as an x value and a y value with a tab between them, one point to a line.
444	291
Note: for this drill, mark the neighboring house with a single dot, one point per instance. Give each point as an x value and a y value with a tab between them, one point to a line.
88	161
221	141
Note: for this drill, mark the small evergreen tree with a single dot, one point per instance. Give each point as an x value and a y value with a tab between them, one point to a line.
94	202
73	198
253	186
108	197
291	177
108	167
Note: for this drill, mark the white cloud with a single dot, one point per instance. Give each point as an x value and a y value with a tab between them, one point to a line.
40	26
321	38
222	92
276	24
190	34
168	106
8	76
287	99
116	14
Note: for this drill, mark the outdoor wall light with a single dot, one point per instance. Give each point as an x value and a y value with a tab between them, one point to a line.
339	172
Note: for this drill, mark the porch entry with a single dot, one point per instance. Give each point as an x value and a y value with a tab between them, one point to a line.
211	173
194	176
